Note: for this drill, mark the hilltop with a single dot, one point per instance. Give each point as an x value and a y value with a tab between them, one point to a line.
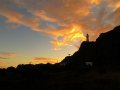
100	54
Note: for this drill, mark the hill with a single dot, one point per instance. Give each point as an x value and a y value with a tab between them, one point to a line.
101	54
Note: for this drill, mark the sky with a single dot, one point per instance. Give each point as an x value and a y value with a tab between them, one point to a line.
45	31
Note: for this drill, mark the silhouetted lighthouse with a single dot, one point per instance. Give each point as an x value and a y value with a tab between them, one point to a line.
87	37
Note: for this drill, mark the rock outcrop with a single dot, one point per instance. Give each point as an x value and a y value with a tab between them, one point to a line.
104	53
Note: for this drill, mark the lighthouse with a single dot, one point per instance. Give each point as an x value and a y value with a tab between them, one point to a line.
87	37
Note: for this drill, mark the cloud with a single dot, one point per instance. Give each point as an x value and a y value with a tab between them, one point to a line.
95	1
38	60
43	16
5	55
61	17
67	36
16	17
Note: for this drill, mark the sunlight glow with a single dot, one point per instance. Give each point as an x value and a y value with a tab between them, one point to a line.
68	37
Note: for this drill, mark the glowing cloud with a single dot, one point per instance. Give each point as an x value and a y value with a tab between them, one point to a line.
95	1
67	37
66	20
43	16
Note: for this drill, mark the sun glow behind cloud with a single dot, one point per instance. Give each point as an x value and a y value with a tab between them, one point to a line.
67	37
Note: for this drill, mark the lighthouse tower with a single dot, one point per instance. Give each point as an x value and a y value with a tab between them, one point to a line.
87	37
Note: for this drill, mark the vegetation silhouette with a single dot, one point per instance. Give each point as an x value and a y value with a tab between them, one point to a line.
96	65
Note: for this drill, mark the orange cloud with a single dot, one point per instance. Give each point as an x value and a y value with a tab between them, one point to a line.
67	36
74	18
43	16
115	3
17	17
38	60
95	1
7	54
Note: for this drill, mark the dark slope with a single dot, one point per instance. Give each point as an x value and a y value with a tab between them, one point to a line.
108	49
103	53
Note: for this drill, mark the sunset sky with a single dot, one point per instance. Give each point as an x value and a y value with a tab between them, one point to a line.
41	31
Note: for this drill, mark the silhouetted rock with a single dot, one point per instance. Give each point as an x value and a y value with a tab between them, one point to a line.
103	53
108	49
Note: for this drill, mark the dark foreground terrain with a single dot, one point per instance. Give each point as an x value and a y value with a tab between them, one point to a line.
68	80
95	66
